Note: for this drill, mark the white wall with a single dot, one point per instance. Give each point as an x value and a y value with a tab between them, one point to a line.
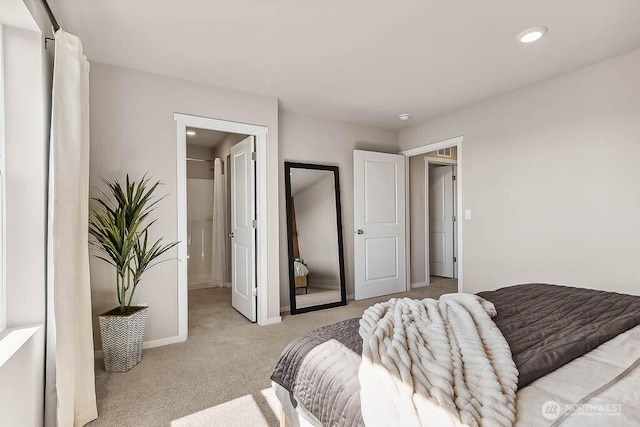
27	88
316	221
133	131
551	176
330	142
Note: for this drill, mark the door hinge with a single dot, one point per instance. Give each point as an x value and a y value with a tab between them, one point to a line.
254	223
254	156
454	177
455	259
254	292
454	218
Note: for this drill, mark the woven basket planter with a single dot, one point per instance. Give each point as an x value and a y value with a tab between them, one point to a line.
122	337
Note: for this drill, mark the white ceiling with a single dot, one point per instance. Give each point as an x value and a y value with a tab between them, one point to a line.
206	138
358	60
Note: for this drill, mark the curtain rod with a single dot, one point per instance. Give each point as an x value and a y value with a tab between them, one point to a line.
52	18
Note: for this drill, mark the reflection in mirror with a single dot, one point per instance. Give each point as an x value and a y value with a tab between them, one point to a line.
314	226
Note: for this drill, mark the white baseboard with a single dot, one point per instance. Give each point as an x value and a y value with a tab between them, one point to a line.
419	285
151	344
271	321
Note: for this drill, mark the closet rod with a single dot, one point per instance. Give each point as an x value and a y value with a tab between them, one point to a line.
191	159
52	18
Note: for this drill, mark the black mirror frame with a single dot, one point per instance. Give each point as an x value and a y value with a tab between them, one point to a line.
292	289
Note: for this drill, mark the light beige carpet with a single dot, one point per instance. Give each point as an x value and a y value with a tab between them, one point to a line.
225	358
317	297
226	414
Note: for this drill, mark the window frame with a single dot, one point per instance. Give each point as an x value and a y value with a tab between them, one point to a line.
3	289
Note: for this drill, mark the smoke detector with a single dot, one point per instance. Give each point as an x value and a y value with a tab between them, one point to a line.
404	117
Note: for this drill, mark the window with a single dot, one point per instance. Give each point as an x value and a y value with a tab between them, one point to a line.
444	152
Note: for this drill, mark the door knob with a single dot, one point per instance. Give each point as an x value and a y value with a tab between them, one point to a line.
360	232
231	235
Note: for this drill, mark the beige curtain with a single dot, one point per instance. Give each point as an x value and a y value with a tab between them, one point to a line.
71	396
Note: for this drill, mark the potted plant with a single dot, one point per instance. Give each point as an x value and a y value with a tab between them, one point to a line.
120	228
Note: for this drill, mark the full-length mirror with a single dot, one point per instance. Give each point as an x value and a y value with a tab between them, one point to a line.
314	228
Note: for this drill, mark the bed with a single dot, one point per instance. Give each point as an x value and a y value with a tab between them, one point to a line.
301	272
577	352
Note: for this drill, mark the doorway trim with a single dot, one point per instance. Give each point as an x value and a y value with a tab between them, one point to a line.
423	149
260	133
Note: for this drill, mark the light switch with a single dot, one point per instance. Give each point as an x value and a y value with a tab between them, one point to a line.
467	214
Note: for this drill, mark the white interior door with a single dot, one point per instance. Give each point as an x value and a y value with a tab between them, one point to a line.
243	234
379	224
441	224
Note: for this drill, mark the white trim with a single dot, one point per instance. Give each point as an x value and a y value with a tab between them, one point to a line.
407	226
12	340
149	344
181	200
424	149
419	285
260	133
3	231
220	125
440	160
271	321
427	194
457	141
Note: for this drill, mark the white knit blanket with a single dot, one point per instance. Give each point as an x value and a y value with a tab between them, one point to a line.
435	363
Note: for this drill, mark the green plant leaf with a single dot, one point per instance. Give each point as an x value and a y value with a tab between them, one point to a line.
119	228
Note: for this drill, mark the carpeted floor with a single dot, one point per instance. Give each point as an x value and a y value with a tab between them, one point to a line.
317	296
225	358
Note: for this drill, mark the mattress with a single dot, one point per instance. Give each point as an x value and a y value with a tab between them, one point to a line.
611	371
546	326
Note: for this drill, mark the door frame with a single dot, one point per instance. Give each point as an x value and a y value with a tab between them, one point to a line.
452	142
260	133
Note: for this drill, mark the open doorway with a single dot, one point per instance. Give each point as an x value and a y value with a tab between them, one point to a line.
441	218
237	154
209	235
434	206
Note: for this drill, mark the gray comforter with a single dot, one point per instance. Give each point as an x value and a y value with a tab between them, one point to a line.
546	327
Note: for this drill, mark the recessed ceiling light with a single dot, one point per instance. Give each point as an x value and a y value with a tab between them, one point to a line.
532	34
404	117
191	132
